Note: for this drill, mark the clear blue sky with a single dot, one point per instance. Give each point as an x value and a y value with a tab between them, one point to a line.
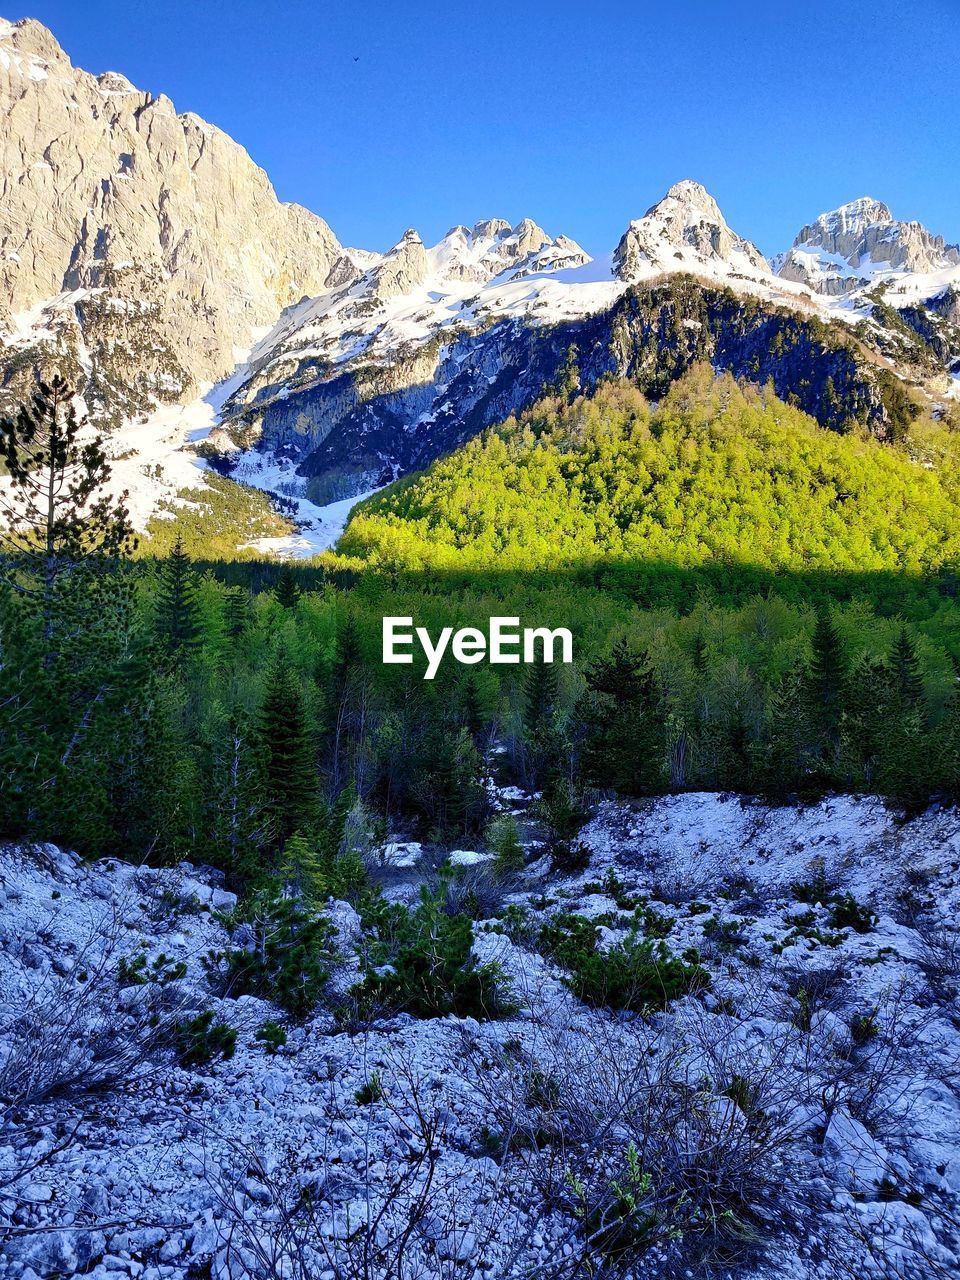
576	114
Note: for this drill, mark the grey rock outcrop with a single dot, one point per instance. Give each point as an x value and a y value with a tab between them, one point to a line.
402	269
865	234
98	177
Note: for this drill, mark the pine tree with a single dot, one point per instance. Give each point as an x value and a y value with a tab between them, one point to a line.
61	525
827	671
290	774
235	793
542	743
177	618
905	666
471	707
624	744
868	719
287	590
301	867
827	679
236	612
785	764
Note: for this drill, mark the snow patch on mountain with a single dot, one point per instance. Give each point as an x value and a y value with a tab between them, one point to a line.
861	244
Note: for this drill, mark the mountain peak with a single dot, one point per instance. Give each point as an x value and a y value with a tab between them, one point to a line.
846	247
685	231
693	196
861	212
402	269
31	37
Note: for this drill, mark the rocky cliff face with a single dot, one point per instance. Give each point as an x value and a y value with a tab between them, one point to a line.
111	198
366	424
845	249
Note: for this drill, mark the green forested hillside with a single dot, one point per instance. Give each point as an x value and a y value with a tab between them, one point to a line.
757	605
717	472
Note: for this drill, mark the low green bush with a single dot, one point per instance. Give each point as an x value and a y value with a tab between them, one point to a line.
636	973
848	913
289	960
420	962
201	1039
271	1035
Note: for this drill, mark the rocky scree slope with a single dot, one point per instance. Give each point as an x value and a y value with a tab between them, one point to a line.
817	1074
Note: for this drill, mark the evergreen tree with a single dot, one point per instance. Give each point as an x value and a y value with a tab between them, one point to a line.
470	707
826	690
449	782
905	668
236	612
287	590
869	716
290	776
55	505
301	868
61	525
542	757
784	766
177	621
623	728
234	780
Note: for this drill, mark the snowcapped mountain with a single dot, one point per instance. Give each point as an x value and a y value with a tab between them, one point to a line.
138	246
860	244
685	231
145	255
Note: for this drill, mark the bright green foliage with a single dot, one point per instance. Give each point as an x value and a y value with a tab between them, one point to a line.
692	671
215	521
715	473
421	963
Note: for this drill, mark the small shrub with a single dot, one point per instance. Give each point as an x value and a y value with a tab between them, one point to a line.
620	1223
289	960
864	1028
200	1040
140	971
727	934
848	913
370	1091
813	891
638	973
271	1035
421	963
655	923
567	938
503	837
